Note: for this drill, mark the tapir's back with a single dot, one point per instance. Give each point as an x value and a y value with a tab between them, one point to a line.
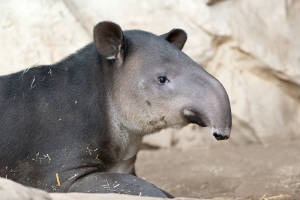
50	116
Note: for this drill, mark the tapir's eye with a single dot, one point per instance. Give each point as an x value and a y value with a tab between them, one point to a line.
163	79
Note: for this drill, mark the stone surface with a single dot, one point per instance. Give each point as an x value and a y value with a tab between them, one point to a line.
37	32
252	46
10	190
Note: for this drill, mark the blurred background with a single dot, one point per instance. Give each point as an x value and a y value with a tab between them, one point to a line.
251	46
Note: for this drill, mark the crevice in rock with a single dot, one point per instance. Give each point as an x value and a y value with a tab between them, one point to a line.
287	86
237	48
269	74
288	4
217	41
213	2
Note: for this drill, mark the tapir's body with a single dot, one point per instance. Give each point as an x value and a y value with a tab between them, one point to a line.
53	120
64	123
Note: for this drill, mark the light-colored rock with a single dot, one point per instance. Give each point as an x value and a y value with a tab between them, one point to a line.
10	190
37	32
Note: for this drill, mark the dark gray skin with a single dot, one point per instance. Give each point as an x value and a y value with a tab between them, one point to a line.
118	183
86	115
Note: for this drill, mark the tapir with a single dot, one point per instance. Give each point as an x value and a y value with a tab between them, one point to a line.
76	124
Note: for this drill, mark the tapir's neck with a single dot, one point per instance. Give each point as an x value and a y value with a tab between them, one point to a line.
126	142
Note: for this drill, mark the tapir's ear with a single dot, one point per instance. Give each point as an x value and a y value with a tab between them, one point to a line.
177	37
109	40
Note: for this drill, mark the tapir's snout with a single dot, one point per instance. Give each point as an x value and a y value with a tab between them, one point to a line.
221	134
210	109
202	120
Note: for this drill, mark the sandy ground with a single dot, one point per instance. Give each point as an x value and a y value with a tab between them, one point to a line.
226	170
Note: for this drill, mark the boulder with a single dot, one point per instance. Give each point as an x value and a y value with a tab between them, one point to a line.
37	32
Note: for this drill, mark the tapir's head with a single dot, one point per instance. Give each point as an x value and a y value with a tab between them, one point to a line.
154	85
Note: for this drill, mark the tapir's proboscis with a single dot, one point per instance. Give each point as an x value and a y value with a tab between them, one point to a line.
69	126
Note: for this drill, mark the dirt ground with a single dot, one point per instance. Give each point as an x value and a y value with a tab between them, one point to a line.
225	170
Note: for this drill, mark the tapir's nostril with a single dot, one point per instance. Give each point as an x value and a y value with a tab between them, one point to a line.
220	137
220	133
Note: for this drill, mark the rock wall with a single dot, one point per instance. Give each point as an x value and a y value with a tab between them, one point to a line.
252	46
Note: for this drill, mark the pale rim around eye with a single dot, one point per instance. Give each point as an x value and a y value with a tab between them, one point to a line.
163	79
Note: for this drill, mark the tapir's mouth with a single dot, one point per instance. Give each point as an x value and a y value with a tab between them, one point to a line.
195	117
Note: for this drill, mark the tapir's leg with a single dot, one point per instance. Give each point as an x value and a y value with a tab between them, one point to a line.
117	183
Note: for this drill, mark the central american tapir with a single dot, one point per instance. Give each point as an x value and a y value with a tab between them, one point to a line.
69	126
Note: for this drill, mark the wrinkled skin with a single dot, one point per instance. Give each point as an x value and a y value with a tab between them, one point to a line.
85	116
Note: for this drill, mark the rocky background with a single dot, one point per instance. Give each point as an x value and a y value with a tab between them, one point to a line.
251	46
